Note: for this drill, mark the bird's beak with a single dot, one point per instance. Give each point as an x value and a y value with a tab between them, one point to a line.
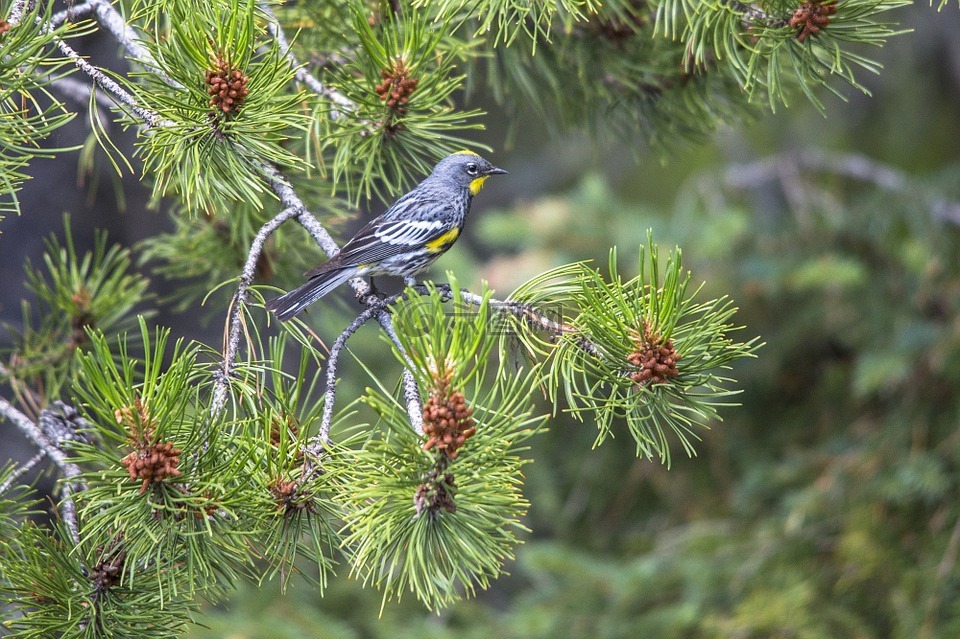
495	171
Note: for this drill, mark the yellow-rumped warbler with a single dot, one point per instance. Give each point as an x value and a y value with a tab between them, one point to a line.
406	239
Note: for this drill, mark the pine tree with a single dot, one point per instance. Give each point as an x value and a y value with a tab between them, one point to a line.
182	468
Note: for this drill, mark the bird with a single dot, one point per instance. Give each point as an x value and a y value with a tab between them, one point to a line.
407	238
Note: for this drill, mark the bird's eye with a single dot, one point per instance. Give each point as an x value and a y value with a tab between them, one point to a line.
472	169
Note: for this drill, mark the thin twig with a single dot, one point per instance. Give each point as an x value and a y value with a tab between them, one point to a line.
79	92
235	316
102	80
333	359
110	85
531	315
19	472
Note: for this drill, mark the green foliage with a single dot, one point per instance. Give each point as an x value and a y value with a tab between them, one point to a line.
765	53
280	407
56	582
29	113
212	158
503	20
418	519
616	335
610	76
97	289
239	490
191	518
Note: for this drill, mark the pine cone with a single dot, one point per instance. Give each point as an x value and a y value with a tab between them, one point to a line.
154	463
107	572
285	493
397	87
811	17
436	493
447	421
228	87
655	360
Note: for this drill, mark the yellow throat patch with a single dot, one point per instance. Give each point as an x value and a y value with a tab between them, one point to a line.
442	243
477	184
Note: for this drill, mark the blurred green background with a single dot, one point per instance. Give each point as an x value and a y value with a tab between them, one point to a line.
828	503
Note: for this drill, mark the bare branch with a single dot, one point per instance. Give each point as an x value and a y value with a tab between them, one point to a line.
290	199
68	469
16	12
79	92
111	20
333	359
411	392
531	315
110	85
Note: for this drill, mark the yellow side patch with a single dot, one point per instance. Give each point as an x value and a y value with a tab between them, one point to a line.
477	184
442	243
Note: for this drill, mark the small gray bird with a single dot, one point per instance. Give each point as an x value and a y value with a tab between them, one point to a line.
406	239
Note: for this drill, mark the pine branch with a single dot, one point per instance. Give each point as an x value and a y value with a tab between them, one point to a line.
68	469
303	75
79	92
377	308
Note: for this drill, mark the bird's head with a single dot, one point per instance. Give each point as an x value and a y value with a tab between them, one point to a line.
466	169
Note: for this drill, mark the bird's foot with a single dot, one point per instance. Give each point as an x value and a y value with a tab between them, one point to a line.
370	296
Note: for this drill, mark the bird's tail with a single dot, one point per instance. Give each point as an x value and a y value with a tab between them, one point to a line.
290	304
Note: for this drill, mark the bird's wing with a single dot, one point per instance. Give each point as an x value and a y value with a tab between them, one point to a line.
387	235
